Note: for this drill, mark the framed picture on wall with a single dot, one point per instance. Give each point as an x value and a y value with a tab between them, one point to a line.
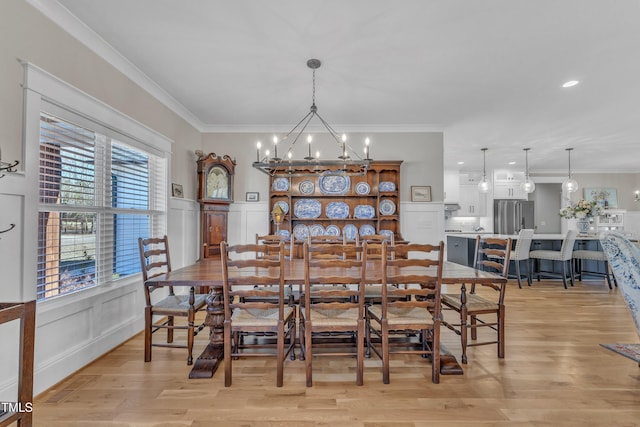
176	190
252	196
606	197
421	193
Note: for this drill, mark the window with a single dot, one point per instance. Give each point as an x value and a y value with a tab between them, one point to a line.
99	192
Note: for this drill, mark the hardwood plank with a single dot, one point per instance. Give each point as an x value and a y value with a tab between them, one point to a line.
554	373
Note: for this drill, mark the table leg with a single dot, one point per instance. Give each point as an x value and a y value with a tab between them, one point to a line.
207	363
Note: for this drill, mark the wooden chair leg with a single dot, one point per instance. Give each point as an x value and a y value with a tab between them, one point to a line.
435	355
308	357
527	266
518	273
474	328
500	315
564	274
148	320
190	332
280	355
463	333
385	351
227	354
360	354
170	329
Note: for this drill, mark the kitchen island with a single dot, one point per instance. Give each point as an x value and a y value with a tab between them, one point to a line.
461	248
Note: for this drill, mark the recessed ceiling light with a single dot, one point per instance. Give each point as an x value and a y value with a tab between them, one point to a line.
512	163
570	83
461	163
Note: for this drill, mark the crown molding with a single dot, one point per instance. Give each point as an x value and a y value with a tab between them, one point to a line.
85	35
366	128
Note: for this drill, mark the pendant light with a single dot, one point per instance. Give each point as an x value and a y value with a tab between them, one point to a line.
528	186
570	185
484	185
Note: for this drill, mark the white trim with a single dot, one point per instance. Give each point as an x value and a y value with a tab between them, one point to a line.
85	35
315	128
59	92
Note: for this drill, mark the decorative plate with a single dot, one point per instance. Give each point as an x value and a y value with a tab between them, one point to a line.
284	206
307	187
387	186
386	233
364	212
280	184
367	229
332	230
284	233
337	210
387	207
333	183
301	232
362	188
307	208
316	230
350	231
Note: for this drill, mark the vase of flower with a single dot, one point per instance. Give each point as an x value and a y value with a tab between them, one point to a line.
583	226
582	211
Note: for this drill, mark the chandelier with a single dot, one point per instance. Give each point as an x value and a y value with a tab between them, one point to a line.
348	162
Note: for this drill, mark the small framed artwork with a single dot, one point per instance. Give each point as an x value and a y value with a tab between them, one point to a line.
421	193
176	190
606	197
253	196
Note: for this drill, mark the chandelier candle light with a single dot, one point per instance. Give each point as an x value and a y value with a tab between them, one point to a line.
347	163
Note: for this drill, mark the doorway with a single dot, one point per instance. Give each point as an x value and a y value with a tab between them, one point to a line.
547	202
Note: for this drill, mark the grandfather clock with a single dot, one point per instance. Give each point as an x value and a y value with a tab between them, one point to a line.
215	193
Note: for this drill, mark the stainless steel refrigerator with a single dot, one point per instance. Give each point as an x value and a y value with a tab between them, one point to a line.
510	216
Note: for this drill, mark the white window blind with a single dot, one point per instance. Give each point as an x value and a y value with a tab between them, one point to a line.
97	196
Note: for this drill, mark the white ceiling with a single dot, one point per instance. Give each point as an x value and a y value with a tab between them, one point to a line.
487	73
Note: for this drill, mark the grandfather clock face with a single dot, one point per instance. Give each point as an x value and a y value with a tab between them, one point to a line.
217	184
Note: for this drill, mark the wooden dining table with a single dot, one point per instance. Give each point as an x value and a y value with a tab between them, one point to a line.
208	273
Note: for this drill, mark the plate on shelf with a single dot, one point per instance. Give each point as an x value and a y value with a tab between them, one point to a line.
280	184
307	208
362	188
307	187
367	229
333	183
364	212
316	230
387	207
284	206
284	233
332	230
337	210
350	231
300	232
386	233
387	186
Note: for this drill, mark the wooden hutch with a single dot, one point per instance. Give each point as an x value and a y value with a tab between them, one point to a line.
337	201
215	193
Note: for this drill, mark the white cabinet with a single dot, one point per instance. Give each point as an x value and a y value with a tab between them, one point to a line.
507	184
472	202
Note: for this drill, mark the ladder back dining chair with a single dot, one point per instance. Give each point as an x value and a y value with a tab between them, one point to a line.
333	303
154	261
256	310
493	255
408	310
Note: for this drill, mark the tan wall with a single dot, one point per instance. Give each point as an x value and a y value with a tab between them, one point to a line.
27	35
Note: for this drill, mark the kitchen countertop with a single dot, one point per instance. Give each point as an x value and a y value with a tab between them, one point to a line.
471	235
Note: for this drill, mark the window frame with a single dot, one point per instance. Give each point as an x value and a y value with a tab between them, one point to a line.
43	90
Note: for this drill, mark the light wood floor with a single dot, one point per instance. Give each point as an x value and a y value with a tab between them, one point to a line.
555	373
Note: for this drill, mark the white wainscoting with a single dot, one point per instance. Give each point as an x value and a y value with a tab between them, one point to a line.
422	222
